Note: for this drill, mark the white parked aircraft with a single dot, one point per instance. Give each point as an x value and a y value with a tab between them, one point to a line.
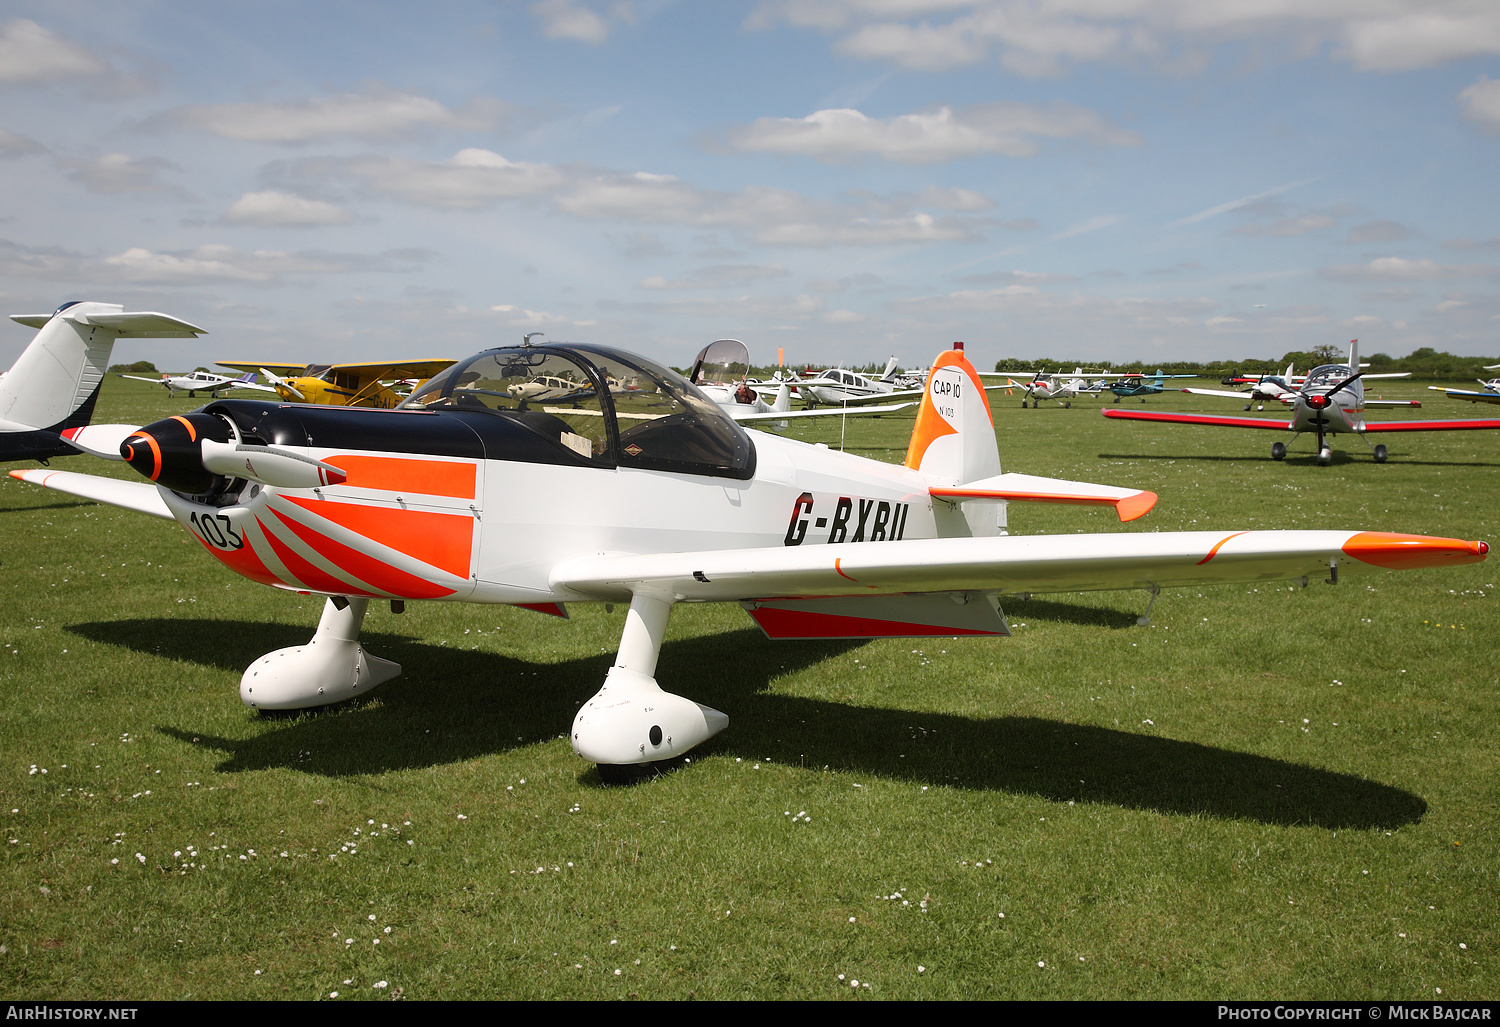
54	384
195	382
721	369
463	495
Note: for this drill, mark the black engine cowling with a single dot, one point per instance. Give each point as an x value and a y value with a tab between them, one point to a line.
169	452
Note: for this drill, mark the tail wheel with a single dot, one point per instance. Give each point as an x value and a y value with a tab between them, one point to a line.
1067	406
1381	454
1278	451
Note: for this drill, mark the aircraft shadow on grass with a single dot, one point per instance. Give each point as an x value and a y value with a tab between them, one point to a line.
453	705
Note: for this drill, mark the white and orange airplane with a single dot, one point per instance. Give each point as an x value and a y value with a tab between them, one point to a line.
652	497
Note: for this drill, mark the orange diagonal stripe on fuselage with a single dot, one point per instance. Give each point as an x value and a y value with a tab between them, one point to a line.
397	474
442	540
365	567
1215	550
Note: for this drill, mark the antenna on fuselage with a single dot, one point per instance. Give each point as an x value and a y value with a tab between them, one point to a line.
526	341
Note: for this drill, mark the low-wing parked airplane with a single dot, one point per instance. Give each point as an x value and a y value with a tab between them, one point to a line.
722	368
1065	386
54	383
1139	385
195	382
463	495
1330	402
838	387
341	385
1491	393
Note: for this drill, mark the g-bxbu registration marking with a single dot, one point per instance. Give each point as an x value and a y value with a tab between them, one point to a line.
876	520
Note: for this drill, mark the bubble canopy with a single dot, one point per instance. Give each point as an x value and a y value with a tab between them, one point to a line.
607	408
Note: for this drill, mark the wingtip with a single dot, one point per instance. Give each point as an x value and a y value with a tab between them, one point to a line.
1138	505
1395	551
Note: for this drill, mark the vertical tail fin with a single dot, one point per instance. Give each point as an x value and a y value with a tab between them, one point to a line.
954	438
890	369
1354	355
55	381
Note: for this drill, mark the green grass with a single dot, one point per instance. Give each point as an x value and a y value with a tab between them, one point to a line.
1269	792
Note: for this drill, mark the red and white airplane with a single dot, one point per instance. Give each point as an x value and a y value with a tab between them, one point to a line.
650	497
1331	401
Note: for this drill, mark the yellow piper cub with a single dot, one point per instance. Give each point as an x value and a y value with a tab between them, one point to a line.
343	385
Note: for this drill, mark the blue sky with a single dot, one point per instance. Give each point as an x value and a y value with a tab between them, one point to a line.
845	179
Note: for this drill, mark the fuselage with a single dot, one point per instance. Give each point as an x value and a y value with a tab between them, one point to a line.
452	499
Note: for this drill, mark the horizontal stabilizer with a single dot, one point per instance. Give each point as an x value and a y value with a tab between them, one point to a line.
131	495
1028	488
128	324
101	440
918	616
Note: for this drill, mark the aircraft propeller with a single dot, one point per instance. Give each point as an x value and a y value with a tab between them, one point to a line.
283	383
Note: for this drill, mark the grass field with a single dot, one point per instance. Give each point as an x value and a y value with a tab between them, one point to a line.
1269	792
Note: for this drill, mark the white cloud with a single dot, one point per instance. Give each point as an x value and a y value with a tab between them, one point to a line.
12	145
718	276
1301	224
276	209
1481	103
376	113
1039	39
1243	201
930	137
470	179
116	173
220	263
570	19
1386	269
1091	225
30	54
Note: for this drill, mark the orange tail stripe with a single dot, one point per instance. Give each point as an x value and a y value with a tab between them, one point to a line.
397	474
366	567
1215	550
443	540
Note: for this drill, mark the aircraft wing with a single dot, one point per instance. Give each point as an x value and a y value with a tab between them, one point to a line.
1394	402
855	409
1215	419
255	365
138	378
1477	425
1225	393
1005	564
139	496
1468	394
423	369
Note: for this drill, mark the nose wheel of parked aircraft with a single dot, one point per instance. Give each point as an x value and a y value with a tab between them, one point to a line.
1325	456
1380	454
1278	450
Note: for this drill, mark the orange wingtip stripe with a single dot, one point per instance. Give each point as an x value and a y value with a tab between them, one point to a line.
1215	550
399	474
1404	552
18	475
